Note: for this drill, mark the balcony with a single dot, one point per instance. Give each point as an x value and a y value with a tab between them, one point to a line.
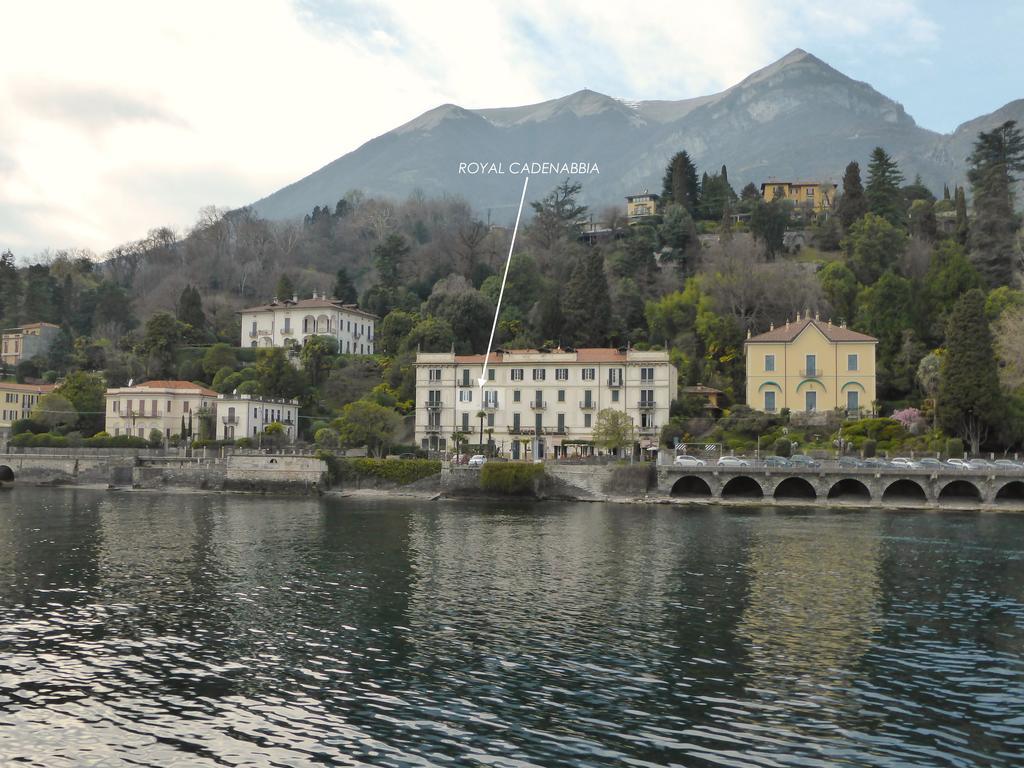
433	405
652	430
646	405
432	429
253	334
229	420
287	422
587	405
466	383
538	405
287	331
614	383
521	430
810	373
490	405
556	430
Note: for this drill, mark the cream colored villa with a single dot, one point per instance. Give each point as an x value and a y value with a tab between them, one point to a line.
290	322
540	404
153	405
247	416
811	365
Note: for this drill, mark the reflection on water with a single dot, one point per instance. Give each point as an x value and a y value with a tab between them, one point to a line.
211	630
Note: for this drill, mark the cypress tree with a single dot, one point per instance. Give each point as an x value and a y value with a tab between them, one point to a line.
344	288
945	191
285	289
680	183
852	205
962	225
587	303
997	157
969	397
883	187
190	308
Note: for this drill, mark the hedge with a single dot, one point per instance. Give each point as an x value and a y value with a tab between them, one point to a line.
510	478
50	440
399	471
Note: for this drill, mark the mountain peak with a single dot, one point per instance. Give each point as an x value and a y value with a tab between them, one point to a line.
434	117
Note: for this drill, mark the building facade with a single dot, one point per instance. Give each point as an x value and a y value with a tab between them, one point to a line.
248	416
817	196
27	341
17	400
290	322
540	404
160	405
811	365
640	207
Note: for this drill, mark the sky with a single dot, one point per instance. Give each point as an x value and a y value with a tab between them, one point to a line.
120	117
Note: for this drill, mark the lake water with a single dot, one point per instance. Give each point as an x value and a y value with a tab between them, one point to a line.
198	630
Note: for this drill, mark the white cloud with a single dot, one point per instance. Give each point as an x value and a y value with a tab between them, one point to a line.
117	117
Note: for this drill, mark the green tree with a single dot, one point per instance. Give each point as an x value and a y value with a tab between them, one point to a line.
679	184
285	289
276	376
367	423
344	288
671	317
613	430
997	158
873	245
883	188
219	356
87	394
389	258
586	301
677	229
921	219
950	275
883	312
963	227
394	330
969	396
768	223
316	355
190	311
431	334
54	410
1001	299
163	336
10	289
852	204
556	215
840	287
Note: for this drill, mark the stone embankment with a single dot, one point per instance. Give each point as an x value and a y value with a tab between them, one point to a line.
122	468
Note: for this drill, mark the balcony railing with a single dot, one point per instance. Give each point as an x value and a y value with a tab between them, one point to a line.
466	383
229	419
538	405
645	404
253	334
648	430
287	422
490	405
287	331
433	405
615	383
811	372
555	430
521	430
432	428
587	406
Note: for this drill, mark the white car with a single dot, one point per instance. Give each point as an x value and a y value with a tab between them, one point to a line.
959	463
902	462
686	460
477	461
733	461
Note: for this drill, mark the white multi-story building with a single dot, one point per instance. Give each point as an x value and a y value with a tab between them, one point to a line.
541	403
161	405
290	322
248	416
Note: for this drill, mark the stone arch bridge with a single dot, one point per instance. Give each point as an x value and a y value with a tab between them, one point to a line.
888	486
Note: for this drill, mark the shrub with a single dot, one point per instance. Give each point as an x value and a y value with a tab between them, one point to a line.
954	447
401	472
511	479
244	442
783	447
27	425
868	447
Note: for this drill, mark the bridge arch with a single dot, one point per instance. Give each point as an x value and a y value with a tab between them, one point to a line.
795	488
959	490
6	474
849	489
904	490
690	486
1011	492
744	487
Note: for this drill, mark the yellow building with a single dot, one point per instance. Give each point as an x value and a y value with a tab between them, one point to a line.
818	196
17	401
639	207
811	365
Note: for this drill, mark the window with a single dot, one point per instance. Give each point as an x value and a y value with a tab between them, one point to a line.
615	377
646	374
287	324
538	397
851	362
561	422
253	331
515	396
561	395
129	406
853	401
615	395
184	407
517	374
434	396
810	191
465	422
515	421
586	420
561	374
811	366
538	374
465	377
491	374
491	398
647	420
811	401
646	398
769	401
588	401
589	374
769	363
490	419
168	408
435	374
465	395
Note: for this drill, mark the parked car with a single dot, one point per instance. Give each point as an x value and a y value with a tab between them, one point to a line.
686	460
980	464
733	461
1008	464
803	461
902	462
876	463
930	463
850	462
776	461
477	461
958	463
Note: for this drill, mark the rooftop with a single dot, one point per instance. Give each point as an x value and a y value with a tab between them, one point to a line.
789	331
314	302
183	386
557	355
36	388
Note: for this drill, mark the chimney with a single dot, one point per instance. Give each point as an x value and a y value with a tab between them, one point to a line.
771	326
797	317
295	298
817	316
748	333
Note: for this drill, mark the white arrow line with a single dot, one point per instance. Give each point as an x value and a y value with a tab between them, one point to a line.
501	293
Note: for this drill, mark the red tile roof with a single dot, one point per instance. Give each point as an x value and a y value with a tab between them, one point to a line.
788	332
583	355
39	388
167	384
